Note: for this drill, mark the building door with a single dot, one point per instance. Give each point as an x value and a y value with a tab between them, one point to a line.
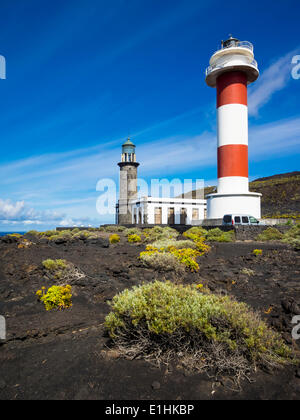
171	216
195	214
183	216
158	215
135	216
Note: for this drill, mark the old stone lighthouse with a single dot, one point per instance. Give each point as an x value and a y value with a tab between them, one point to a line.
128	183
149	210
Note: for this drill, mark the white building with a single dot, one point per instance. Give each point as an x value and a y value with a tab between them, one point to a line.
167	211
151	210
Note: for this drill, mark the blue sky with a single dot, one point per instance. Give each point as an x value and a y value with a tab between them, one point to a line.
82	75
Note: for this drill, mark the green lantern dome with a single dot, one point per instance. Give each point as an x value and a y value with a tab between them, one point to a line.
128	142
128	147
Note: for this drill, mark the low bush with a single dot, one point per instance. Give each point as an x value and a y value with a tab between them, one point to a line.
195	232
68	235
162	261
247	272
48	233
33	232
160	233
134	238
185	256
198	234
292	237
64	235
295	243
257	252
54	265
114	239
61	270
113	228
163	322
57	297
85	234
270	234
217	235
165	244
133	231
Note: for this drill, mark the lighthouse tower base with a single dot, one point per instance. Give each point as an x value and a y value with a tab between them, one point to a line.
219	204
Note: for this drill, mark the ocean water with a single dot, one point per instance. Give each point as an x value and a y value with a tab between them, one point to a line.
10	233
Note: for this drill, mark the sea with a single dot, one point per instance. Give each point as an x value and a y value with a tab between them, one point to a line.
10	233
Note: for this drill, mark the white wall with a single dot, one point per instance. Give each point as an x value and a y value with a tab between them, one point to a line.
218	205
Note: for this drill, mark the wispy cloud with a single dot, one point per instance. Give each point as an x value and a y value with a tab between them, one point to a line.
19	213
279	137
273	79
76	172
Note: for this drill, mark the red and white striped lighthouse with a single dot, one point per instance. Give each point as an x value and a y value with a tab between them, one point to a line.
231	69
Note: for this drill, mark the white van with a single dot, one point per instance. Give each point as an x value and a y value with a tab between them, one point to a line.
239	219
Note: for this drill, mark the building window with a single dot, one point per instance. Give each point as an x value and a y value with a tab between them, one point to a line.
195	214
171	216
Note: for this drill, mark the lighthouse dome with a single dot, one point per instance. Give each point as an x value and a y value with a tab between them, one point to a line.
128	146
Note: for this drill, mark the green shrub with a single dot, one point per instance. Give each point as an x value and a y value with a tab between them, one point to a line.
292	237
217	235
195	232
295	243
198	235
257	252
64	234
162	321
113	228
167	243
160	233
61	270
134	238
57	297
133	231
114	239
15	235
164	262
33	232
85	234
270	234
48	233
185	256
54	265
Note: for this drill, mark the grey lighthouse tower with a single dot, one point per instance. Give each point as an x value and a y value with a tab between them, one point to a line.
128	183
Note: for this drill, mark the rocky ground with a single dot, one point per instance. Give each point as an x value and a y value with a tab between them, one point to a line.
66	355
